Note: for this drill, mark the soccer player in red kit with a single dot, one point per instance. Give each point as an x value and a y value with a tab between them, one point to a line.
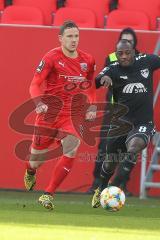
62	78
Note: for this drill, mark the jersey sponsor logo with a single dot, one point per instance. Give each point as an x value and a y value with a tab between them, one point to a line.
83	86
40	67
124	77
60	63
134	88
76	79
83	67
145	72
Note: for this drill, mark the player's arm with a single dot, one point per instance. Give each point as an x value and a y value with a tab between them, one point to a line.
154	61
40	75
91	111
104	78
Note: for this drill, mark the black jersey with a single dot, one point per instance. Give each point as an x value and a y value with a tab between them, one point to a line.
133	87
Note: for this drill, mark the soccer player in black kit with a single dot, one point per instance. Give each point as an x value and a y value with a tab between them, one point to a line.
131	81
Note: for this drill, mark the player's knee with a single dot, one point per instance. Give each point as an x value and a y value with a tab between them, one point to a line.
37	157
70	145
136	145
71	153
36	164
108	167
130	157
135	148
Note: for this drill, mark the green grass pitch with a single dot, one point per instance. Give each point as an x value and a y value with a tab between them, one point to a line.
22	218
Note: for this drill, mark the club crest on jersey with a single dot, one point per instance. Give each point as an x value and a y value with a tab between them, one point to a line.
83	67
145	72
40	67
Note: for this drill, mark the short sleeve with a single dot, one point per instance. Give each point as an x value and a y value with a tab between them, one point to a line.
154	61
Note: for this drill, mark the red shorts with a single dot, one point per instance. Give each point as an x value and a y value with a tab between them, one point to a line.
49	129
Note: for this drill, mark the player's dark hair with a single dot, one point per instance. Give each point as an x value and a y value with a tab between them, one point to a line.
67	24
125	41
132	32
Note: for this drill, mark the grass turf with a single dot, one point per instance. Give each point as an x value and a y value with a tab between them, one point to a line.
21	217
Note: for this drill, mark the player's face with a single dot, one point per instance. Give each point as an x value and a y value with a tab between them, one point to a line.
128	37
125	54
70	39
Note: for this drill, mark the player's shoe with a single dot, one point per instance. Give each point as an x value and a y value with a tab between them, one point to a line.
96	198
46	201
29	180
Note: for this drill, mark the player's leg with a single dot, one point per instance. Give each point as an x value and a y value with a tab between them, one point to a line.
101	147
98	165
114	147
37	158
42	138
107	171
134	146
70	146
39	150
136	141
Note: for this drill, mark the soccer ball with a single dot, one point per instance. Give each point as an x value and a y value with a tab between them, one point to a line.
112	198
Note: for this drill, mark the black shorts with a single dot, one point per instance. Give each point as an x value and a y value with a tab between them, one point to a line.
144	131
118	145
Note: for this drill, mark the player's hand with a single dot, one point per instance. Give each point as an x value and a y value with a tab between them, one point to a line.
106	81
41	108
91	113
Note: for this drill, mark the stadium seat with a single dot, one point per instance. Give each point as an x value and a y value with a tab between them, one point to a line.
121	19
1	5
83	17
150	7
22	15
46	6
100	8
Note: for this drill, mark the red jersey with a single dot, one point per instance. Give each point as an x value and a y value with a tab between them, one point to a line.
64	77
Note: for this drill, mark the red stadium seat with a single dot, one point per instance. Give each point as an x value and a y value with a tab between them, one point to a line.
46	6
121	19
83	17
150	7
100	8
1	5
22	15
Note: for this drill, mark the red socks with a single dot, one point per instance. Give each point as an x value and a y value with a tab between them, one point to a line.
60	171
